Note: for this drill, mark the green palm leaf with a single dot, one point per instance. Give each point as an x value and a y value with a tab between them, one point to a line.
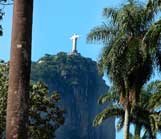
110	97
107	113
101	34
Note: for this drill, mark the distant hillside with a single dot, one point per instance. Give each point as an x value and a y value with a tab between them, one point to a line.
80	85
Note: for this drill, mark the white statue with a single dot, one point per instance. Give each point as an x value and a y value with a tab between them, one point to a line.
74	43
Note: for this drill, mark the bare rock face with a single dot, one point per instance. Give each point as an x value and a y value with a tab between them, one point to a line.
80	85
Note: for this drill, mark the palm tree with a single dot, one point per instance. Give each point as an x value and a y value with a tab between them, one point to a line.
144	116
127	56
19	72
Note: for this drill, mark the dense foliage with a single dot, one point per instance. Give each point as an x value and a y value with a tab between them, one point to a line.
125	57
45	115
132	48
146	115
64	71
3	96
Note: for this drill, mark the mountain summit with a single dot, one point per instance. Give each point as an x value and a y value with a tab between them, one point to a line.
80	85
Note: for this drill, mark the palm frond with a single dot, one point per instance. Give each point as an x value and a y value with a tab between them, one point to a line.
103	63
150	10
155	121
155	101
101	34
110	13
152	37
147	119
153	96
110	97
107	113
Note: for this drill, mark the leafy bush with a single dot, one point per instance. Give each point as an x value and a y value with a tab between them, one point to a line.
45	115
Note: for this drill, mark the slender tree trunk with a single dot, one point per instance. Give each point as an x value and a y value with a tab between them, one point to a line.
126	123
137	131
127	111
19	73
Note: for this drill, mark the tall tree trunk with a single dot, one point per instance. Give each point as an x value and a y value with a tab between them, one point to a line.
137	131
127	111
19	73
126	123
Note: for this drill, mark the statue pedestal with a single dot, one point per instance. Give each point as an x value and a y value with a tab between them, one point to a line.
74	53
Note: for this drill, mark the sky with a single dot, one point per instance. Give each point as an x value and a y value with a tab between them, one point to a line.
54	22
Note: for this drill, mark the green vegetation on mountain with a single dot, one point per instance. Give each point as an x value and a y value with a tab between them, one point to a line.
64	71
79	83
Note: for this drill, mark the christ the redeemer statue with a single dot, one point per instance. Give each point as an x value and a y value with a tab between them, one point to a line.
74	39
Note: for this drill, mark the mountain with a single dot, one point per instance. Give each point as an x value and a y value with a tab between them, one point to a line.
80	85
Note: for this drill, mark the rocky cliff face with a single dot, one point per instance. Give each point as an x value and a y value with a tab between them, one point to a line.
80	85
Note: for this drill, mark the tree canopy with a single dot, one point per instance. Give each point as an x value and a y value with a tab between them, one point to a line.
146	116
45	115
124	56
131	38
